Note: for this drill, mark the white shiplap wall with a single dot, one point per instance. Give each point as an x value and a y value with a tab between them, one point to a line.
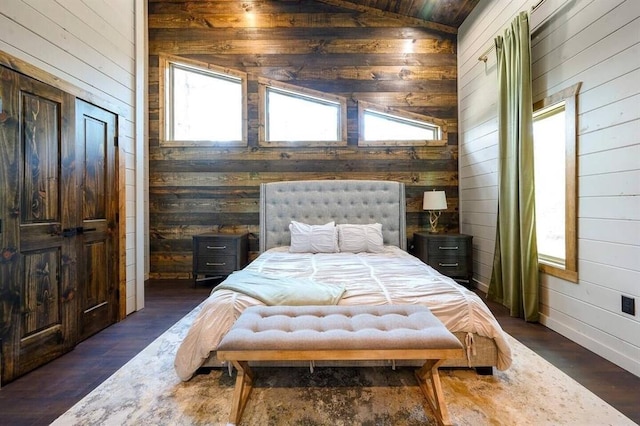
596	42
88	47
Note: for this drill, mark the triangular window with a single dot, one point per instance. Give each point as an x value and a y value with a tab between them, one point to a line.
390	126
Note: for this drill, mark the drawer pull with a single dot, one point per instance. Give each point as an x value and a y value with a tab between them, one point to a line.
216	264
447	248
216	247
448	264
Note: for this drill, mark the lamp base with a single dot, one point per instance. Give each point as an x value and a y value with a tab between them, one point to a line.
434	215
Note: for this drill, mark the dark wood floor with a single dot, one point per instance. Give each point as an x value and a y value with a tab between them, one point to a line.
41	396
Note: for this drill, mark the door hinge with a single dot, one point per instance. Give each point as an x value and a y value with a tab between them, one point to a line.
115	141
117	217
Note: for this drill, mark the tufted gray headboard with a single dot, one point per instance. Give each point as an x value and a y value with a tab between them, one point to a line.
317	202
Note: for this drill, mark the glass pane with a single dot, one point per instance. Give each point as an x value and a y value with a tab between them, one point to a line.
383	127
549	155
206	106
296	118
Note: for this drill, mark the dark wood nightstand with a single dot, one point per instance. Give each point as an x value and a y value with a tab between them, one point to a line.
217	255
449	254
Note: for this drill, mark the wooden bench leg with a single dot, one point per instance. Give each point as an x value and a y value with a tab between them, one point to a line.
434	395
244	384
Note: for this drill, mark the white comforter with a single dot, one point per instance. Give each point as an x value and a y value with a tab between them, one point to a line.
392	277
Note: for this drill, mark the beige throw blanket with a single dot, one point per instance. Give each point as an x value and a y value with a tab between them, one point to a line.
280	290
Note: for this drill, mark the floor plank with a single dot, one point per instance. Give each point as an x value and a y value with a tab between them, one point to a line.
611	383
41	396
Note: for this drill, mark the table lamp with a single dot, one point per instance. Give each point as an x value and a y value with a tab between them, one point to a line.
435	202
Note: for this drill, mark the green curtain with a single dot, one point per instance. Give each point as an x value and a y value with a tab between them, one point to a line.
514	281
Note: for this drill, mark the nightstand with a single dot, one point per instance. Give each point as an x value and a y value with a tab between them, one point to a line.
218	255
449	254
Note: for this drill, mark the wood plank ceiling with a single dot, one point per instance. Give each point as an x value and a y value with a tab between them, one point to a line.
450	13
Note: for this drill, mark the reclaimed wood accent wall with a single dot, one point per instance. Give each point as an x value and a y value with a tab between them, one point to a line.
333	47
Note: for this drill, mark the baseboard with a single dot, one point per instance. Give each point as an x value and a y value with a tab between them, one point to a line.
621	360
481	286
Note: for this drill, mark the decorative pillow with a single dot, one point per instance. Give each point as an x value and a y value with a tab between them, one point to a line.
313	238
360	238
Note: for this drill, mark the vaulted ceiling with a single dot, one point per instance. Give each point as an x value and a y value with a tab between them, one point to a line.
445	12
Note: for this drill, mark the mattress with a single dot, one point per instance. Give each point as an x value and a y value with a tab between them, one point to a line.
390	277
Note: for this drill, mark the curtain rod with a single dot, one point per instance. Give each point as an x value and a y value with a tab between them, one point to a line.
535	6
484	57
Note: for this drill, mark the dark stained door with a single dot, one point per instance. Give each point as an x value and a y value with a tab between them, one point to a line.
58	223
38	310
98	284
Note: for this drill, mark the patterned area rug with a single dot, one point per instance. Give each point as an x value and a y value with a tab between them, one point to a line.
146	391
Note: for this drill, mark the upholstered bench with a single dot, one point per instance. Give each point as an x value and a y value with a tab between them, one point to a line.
339	333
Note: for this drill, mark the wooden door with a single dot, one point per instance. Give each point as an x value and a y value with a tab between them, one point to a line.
97	235
38	310
58	222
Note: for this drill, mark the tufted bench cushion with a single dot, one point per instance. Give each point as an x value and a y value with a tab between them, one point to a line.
330	332
315	328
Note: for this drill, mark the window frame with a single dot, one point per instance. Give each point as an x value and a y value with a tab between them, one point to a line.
165	99
401	114
569	97
265	84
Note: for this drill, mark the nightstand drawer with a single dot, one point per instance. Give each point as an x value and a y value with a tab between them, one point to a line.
450	248
217	264
216	246
450	267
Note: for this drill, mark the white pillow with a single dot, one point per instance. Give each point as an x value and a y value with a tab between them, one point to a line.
313	238
360	238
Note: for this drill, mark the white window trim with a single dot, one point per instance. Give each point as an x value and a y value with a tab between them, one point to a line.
367	106
264	84
165	97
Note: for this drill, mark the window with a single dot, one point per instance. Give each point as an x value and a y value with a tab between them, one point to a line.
389	126
554	135
550	180
202	104
380	126
297	116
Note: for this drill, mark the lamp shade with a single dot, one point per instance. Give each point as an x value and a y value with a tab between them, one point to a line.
434	200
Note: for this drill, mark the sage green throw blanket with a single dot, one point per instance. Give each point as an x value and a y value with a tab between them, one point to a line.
276	290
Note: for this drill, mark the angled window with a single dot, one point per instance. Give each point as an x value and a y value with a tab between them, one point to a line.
390	126
554	141
201	104
294	116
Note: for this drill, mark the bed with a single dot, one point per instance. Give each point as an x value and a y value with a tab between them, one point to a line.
384	274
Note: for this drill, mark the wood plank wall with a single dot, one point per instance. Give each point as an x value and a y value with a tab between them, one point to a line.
358	54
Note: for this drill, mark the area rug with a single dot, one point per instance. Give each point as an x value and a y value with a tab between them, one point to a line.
146	391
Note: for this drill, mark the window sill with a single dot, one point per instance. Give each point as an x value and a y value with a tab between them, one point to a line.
564	274
175	143
403	143
277	144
